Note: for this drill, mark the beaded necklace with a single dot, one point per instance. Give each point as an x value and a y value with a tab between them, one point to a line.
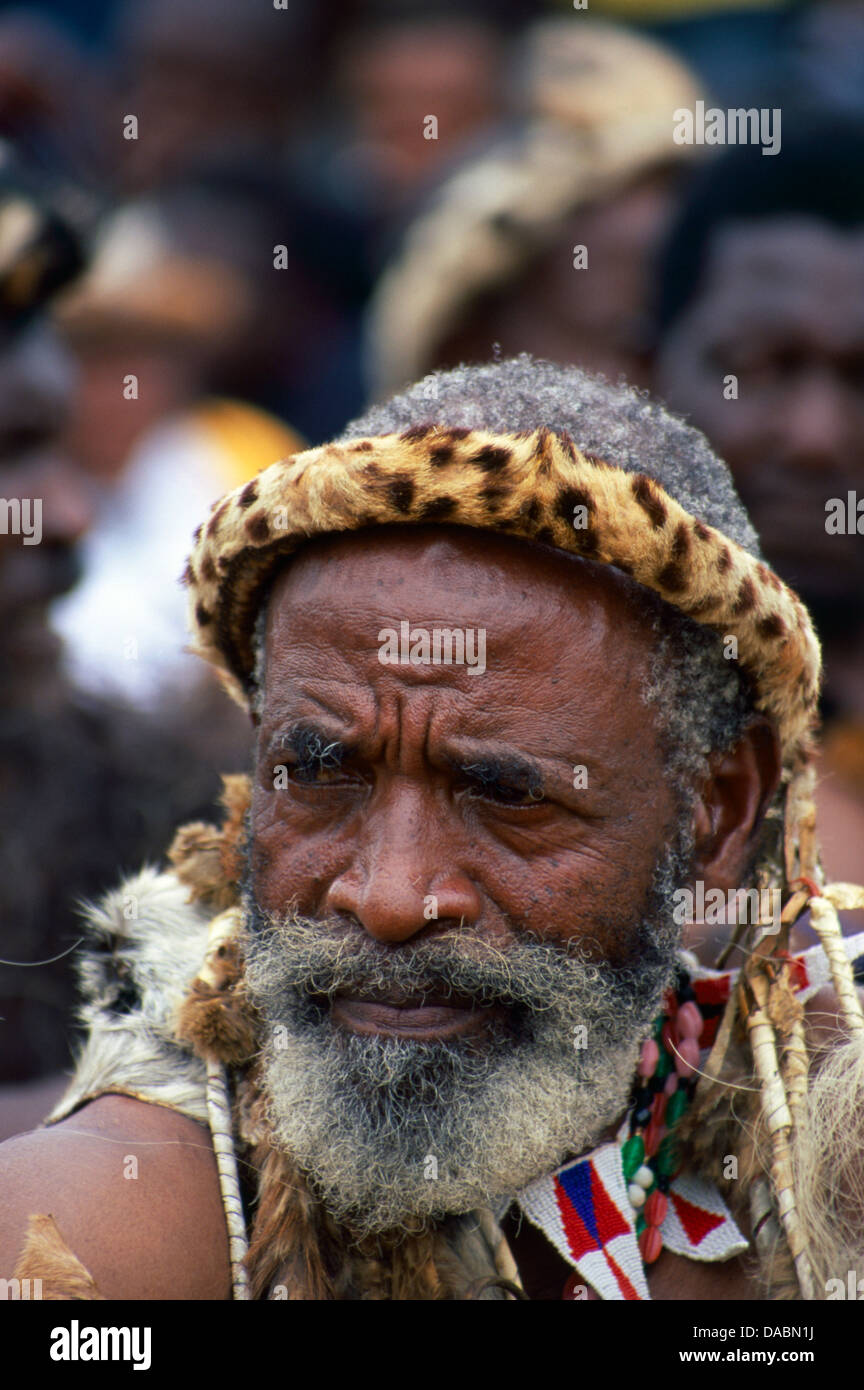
611	1212
663	1089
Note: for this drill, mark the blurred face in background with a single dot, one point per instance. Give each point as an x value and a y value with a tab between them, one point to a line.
104	424
36	384
205	78
781	308
595	316
394	77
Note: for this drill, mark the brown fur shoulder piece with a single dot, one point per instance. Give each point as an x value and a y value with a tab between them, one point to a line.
536	485
208	858
157	974
50	1266
216	1017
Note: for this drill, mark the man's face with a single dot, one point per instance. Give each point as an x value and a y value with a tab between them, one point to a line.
454	871
782	309
394	76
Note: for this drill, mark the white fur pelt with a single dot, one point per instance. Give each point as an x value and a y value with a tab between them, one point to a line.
146	943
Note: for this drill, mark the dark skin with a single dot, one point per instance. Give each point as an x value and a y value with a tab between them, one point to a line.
159	1235
393	75
781	307
403	816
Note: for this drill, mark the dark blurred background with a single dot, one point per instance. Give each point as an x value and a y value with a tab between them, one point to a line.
225	225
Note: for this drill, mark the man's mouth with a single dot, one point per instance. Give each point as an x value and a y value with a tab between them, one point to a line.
424	1017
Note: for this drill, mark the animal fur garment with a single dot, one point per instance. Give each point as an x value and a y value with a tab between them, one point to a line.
166	980
527	485
147	944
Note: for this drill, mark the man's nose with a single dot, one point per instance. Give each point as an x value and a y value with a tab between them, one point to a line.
405	874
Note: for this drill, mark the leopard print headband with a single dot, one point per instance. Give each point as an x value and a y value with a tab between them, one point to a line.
536	485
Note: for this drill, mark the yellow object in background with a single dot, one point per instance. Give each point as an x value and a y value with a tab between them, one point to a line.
246	438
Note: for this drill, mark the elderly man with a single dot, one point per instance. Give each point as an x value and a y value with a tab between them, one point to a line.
518	699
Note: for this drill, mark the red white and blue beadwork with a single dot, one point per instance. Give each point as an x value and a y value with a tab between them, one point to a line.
611	1212
584	1211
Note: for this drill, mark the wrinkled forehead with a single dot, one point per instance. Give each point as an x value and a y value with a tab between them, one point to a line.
455	569
471	625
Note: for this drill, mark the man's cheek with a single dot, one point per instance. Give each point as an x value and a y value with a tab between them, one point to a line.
290	869
590	897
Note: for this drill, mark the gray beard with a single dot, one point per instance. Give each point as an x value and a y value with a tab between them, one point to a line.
394	1134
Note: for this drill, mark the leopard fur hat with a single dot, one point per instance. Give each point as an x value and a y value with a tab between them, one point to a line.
537	485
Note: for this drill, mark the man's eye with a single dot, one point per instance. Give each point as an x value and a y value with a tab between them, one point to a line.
506	795
492	780
311	759
317	773
321	774
310	774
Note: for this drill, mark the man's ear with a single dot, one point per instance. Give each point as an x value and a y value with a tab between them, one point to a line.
728	812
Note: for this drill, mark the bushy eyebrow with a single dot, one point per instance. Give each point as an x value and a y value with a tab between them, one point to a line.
315	750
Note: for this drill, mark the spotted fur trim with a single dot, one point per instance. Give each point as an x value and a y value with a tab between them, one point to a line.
526	485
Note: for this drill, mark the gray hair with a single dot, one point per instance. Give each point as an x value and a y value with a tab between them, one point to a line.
619	423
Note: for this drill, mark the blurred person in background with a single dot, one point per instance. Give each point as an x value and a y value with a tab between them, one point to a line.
88	19
734	46
826	64
52	97
208	78
398	66
167	307
304	278
227	101
84	782
761	321
39	252
543	242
